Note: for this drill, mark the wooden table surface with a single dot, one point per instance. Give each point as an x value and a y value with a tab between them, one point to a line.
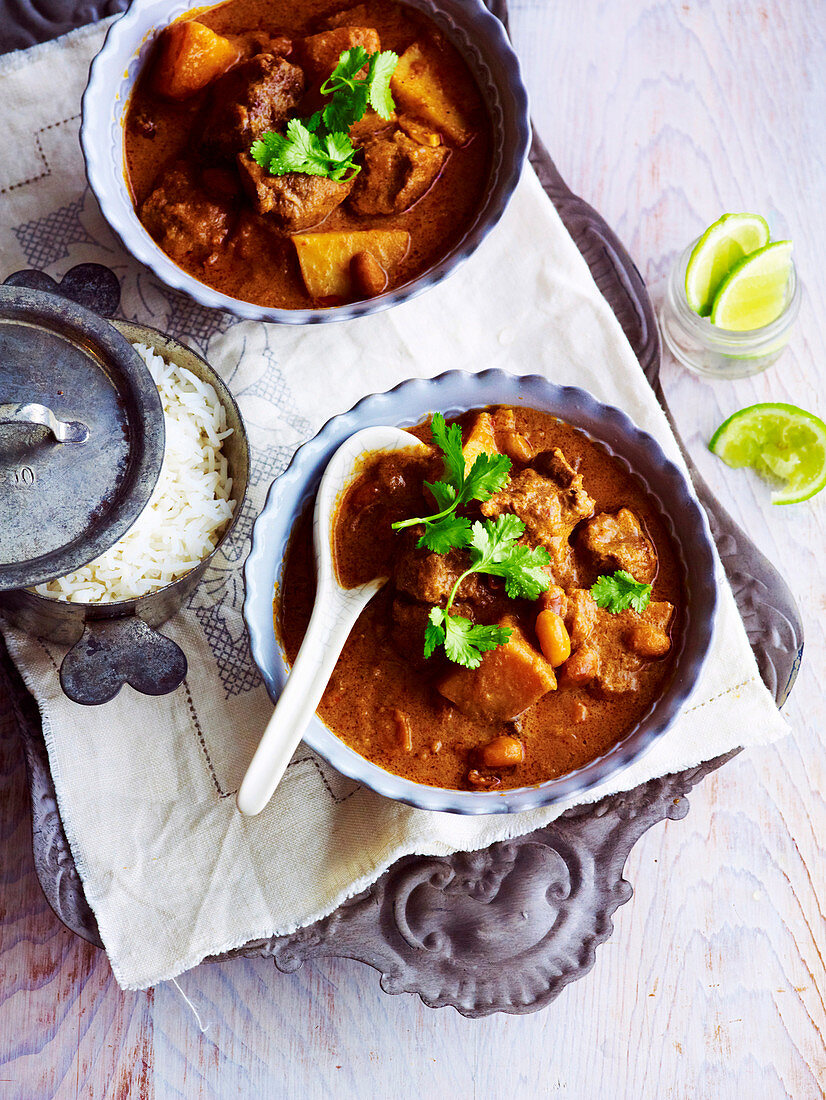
663	114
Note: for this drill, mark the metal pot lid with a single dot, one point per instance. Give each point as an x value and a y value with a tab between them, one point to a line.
81	436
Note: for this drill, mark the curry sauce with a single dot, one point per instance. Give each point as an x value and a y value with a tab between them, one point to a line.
433	722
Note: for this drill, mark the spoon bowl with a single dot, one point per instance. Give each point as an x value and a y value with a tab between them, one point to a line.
334	614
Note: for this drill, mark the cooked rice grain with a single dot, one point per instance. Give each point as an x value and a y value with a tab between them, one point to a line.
188	510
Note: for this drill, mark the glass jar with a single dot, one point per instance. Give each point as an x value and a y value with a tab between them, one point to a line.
717	352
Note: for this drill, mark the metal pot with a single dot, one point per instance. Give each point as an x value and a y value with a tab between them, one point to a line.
116	643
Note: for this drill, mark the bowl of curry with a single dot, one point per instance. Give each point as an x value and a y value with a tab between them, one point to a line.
538	641
307	161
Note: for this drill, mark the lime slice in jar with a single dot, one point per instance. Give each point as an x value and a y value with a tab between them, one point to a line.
753	294
782	443
721	246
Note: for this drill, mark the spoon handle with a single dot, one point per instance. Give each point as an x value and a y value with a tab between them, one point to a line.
328	629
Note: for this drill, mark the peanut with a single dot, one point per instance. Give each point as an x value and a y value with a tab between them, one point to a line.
503	752
553	636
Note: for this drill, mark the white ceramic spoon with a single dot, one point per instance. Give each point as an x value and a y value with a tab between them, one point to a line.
334	614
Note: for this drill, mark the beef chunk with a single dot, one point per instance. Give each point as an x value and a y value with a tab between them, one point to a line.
187	223
509	679
581	616
575	502
430	577
397	171
248	101
549	506
294	201
625	644
619	542
370	125
320	52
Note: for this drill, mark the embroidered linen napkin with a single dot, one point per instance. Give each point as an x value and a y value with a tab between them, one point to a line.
145	785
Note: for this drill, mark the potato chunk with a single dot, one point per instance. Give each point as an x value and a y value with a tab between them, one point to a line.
419	88
509	679
189	56
325	257
480	439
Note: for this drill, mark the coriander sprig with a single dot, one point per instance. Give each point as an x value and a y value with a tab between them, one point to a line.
445	530
620	592
302	150
321	145
351	94
494	549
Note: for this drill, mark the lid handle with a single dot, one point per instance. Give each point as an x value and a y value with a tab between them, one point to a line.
64	431
114	652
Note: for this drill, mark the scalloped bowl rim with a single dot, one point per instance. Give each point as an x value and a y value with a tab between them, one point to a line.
454	391
131	35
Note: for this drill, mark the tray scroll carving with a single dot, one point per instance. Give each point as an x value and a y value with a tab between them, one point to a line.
504	929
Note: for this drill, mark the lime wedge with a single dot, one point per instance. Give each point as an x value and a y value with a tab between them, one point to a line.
753	293
721	246
784	444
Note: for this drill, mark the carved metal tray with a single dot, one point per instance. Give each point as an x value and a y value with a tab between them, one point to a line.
427	923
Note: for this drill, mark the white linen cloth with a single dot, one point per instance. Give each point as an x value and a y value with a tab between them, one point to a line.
145	785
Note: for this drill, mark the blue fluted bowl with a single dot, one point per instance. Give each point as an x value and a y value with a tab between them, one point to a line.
453	393
478	35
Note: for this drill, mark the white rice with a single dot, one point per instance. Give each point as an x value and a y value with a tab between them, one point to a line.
188	509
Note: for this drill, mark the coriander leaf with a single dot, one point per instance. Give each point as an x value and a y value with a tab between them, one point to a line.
270	146
524	573
434	634
302	152
382	66
350	64
445	534
491	541
346	107
620	592
339	148
443	494
487	476
465	642
449	442
494	550
313	122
